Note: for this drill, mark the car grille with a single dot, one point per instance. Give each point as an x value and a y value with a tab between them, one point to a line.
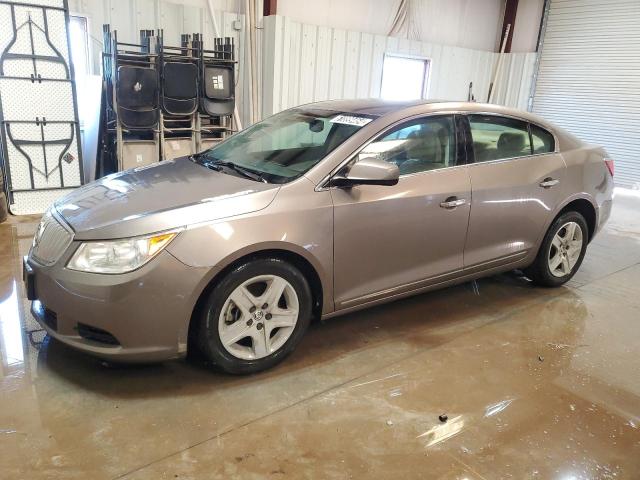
50	241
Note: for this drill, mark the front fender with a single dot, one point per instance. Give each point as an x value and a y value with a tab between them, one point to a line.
306	231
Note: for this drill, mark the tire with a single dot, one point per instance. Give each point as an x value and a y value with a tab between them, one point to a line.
543	271
263	345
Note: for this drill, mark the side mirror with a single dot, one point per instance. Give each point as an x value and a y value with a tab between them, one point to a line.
368	171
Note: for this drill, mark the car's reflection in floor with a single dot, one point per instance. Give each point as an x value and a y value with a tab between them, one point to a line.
535	383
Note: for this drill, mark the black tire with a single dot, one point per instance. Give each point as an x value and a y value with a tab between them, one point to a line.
207	334
539	271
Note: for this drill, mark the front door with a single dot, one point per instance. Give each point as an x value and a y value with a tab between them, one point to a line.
515	186
391	239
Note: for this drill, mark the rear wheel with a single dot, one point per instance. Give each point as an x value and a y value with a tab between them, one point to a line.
255	316
561	252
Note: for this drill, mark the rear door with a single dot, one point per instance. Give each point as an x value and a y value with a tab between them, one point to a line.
515	182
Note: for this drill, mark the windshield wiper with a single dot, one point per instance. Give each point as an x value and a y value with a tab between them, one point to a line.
246	172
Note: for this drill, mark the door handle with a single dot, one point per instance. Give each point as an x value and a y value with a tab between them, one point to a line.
452	202
549	182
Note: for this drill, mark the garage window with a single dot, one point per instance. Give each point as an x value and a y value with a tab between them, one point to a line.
404	77
79	39
497	138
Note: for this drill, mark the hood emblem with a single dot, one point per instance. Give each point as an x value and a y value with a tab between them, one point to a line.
137	86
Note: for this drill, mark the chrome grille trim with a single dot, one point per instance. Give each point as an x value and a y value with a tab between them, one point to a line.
51	240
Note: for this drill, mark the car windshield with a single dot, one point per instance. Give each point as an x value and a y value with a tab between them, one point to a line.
285	146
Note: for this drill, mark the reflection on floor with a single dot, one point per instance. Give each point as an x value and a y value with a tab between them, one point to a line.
535	383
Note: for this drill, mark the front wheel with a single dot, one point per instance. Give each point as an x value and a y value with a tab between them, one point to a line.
561	252
255	316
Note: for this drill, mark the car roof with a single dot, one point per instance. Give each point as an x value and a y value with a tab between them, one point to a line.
379	107
369	106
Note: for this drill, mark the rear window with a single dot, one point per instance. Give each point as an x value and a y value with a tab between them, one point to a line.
542	140
497	138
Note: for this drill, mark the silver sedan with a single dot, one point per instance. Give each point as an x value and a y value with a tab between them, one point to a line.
314	212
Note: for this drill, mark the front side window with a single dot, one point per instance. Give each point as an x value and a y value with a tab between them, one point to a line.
497	138
416	146
285	146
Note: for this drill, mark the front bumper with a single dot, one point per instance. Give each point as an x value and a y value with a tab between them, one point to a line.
141	316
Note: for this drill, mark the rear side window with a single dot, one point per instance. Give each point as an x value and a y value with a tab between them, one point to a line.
542	140
497	138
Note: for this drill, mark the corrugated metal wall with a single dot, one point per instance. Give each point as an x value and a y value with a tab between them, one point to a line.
589	77
128	17
305	63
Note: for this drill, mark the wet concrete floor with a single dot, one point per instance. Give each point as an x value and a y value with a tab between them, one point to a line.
535	383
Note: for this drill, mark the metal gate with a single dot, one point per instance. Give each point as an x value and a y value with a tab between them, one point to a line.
39	128
589	77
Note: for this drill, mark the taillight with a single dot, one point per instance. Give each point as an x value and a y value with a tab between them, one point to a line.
609	163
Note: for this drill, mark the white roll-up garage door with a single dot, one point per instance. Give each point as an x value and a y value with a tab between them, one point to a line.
589	77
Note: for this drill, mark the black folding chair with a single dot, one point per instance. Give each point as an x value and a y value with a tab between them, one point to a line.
137	97
218	97
180	88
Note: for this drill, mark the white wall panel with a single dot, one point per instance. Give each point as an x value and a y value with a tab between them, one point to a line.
321	81
589	77
513	85
335	66
464	23
320	63
527	26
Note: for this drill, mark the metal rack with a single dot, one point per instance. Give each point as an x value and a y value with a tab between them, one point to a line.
160	101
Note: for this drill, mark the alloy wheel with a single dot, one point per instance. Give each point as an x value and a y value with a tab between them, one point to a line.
258	317
565	249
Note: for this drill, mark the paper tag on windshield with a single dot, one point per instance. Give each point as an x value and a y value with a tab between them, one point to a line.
351	120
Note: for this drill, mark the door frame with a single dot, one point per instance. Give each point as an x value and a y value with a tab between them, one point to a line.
461	162
471	157
461	145
466	126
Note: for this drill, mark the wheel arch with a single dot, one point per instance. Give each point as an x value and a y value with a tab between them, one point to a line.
584	207
297	259
580	203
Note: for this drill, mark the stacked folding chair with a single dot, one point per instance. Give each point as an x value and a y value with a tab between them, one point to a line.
179	98
217	92
131	90
161	102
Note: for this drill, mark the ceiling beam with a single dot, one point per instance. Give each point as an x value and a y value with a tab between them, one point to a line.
270	7
510	10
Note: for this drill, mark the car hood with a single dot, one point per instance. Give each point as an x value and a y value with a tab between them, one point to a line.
162	196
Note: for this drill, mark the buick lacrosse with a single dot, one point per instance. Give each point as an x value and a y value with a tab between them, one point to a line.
314	212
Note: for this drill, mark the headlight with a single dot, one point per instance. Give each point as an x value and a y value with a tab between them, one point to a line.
119	256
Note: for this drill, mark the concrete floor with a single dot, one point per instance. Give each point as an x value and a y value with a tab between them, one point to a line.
536	384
